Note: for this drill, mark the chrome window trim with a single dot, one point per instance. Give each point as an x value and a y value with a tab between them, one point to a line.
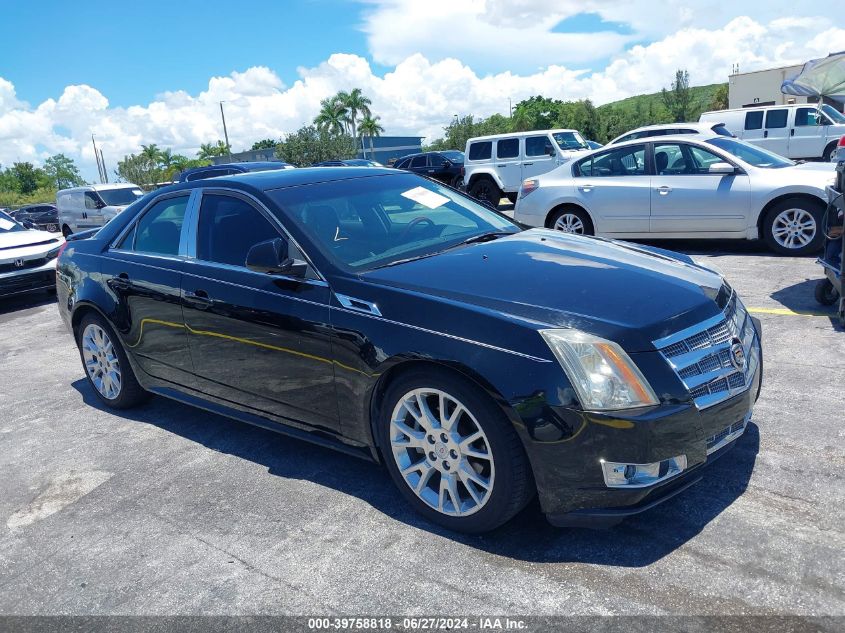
244	269
129	227
261	208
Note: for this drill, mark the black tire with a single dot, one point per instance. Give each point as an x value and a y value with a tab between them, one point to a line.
66	230
512	485
511	197
486	190
825	293
815	209
582	215
828	152
130	394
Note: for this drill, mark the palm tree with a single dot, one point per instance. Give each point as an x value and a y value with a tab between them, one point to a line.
332	116
207	150
152	153
355	103
371	127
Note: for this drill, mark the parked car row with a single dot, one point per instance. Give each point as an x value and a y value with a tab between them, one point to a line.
27	257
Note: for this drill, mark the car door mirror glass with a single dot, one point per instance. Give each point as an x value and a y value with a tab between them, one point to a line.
271	257
721	168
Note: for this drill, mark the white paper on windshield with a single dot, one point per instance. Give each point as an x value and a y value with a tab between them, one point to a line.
6	225
426	197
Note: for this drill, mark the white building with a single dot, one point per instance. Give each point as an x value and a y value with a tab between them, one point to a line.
761	87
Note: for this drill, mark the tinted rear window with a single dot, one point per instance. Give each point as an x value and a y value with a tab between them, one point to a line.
754	120
481	150
507	148
776	118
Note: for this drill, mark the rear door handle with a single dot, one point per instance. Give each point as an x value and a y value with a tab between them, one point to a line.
792	132
120	282
766	134
664	190
586	188
502	165
527	164
199	299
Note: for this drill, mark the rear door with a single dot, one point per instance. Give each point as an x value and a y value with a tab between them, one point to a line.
776	131
539	155
143	272
508	164
262	341
807	134
614	186
687	198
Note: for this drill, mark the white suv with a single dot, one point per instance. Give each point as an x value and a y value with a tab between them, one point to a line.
495	166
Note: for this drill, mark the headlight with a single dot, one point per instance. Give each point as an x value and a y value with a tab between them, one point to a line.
54	253
603	375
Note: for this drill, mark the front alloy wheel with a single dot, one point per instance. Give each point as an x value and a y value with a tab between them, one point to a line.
442	452
452	452
793	228
101	361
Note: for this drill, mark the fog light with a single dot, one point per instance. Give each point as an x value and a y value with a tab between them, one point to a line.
618	475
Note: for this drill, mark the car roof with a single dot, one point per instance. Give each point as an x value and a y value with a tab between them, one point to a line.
707	125
490	137
685	138
282	178
101	187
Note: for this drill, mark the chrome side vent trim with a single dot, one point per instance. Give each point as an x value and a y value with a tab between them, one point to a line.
358	304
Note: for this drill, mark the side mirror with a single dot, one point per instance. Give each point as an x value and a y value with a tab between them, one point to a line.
721	168
447	164
271	257
27	224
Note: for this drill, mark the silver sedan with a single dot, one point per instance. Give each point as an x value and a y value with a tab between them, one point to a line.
683	186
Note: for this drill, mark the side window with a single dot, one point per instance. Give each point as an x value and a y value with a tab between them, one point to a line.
670	160
160	227
537	145
625	161
435	160
776	119
807	116
92	201
754	120
482	150
702	159
507	148
418	161
401	164
228	228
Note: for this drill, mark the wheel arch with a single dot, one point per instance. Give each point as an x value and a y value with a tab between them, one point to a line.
568	205
828	149
483	173
80	310
399	367
799	195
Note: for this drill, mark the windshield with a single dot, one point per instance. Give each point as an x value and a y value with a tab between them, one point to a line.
8	225
833	114
570	140
120	197
454	156
751	154
364	223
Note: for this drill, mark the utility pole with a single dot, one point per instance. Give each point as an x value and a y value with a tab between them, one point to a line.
98	156
225	132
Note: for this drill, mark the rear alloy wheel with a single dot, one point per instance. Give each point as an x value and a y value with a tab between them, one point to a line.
486	190
106	366
572	221
792	228
453	454
66	230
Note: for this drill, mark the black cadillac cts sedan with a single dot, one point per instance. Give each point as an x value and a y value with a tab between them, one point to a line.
397	319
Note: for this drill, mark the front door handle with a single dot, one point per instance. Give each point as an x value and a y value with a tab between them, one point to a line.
527	164
586	188
198	299
664	190
120	282
792	132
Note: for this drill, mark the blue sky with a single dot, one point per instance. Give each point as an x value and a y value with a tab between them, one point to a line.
155	71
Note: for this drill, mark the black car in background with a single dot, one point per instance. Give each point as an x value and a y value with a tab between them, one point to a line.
447	166
229	169
397	319
44	216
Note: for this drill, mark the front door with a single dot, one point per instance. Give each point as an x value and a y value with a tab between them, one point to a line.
262	341
507	163
807	138
539	156
144	274
686	198
614	188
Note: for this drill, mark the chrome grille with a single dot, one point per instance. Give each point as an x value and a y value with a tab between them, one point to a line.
701	355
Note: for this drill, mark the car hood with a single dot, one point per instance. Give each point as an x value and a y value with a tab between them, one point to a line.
625	292
828	168
16	240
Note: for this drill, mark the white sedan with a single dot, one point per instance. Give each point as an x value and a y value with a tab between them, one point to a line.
683	187
27	258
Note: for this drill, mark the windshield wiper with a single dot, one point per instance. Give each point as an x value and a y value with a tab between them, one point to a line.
486	237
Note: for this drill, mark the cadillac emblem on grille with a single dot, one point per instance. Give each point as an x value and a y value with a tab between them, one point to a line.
737	354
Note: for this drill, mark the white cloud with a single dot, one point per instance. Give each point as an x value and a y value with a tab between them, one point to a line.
419	95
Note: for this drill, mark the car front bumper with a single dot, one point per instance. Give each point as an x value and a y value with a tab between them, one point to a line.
28	279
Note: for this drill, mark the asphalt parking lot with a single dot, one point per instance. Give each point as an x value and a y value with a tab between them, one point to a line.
170	510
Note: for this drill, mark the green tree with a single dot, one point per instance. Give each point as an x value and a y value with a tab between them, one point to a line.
62	172
535	113
679	97
139	169
720	98
28	177
309	145
371	128
266	143
207	150
355	103
332	116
